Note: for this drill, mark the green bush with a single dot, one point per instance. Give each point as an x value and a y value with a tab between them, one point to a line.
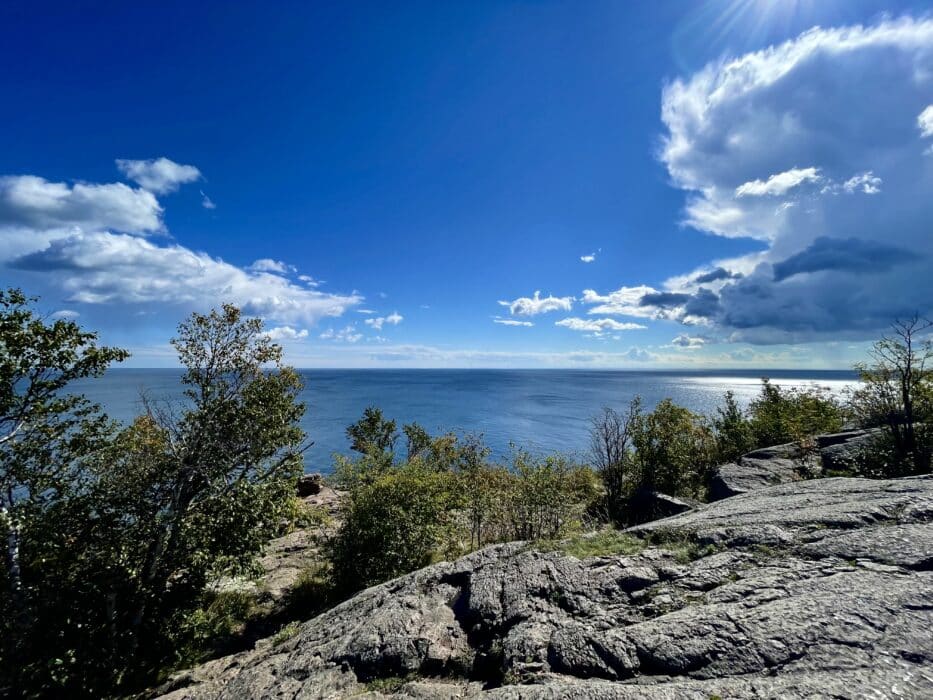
674	450
391	525
780	415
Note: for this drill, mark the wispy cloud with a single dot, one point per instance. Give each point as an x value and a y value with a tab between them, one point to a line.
595	325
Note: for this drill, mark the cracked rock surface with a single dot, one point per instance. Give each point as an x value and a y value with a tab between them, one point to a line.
818	588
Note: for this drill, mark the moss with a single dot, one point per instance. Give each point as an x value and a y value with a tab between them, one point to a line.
606	542
285	633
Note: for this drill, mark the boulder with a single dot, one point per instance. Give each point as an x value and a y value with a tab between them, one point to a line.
820	588
840	451
310	484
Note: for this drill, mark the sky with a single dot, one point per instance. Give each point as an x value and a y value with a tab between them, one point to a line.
673	184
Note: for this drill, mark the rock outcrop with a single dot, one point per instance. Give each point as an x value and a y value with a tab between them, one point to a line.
818	588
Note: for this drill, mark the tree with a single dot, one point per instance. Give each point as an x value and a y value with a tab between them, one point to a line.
205	487
896	393
611	454
121	540
391	525
733	432
674	451
44	436
373	434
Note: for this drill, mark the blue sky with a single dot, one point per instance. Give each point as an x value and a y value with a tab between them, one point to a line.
388	184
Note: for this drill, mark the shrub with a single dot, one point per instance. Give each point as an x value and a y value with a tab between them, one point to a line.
391	525
734	436
674	451
792	415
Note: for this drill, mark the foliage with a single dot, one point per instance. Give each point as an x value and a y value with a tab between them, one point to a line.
547	496
391	525
896	394
373	434
780	415
734	436
674	451
45	437
445	498
611	454
118	547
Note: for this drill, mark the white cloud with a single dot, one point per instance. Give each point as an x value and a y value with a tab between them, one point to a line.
102	268
90	241
287	333
207	202
865	182
270	265
588	258
925	122
778	184
597	325
833	266
348	334
393	319
158	175
689	342
37	206
512	322
624	301
531	306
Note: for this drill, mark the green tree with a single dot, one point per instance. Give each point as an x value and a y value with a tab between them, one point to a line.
204	487
45	434
117	559
373	434
674	451
896	394
780	415
733	431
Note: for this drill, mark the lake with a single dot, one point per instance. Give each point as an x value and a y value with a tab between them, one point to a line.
541	410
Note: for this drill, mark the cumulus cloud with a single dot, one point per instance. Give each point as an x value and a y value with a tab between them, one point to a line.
588	258
848	254
847	236
715	275
287	333
103	267
37	206
512	322
778	184
597	325
158	175
66	314
93	242
625	301
531	306
690	342
638	355
378	322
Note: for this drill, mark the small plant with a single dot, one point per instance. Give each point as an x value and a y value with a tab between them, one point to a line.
285	633
606	542
391	684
